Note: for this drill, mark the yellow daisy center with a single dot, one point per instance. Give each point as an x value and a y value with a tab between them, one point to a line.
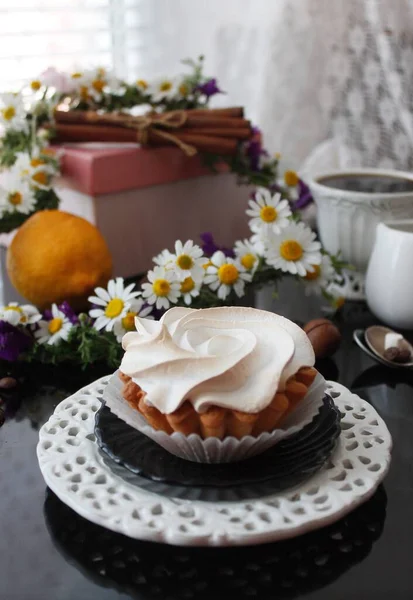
98	84
36	162
55	325
291	250
268	214
187	285
338	302
77	75
16	308
16	198
228	274
141	83
248	261
84	92
311	276
185	262
183	89
35	85
128	321
291	178
114	308
8	113
40	177
165	86
161	287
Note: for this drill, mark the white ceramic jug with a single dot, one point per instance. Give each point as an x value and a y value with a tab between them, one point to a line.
389	280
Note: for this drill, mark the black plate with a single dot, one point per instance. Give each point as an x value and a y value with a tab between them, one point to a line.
286	464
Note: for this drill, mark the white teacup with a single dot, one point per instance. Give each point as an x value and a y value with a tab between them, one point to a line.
347	218
389	279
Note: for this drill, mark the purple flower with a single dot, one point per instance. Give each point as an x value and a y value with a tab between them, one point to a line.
13	342
304	196
69	312
210	88
66	309
254	149
209	246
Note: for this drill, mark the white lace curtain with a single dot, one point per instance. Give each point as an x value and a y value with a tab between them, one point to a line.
306	70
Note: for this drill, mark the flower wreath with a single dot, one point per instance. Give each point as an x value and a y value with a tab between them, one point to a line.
189	274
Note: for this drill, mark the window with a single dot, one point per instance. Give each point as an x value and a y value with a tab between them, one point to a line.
36	34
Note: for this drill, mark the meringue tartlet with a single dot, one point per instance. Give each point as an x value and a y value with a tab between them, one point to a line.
216	372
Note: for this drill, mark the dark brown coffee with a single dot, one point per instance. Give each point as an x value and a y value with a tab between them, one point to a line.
368	183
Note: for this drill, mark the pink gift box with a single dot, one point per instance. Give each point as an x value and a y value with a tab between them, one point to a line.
103	169
142	200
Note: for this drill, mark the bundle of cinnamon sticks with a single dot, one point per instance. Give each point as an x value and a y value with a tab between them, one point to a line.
198	130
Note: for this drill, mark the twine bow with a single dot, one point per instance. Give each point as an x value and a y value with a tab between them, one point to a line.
151	123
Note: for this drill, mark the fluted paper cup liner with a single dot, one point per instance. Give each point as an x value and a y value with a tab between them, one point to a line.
212	450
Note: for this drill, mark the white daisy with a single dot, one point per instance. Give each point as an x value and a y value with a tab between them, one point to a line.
163	287
100	80
320	277
183	88
56	329
34	169
259	242
16	195
269	213
12	112
81	80
127	323
34	85
191	285
225	274
164	88
247	254
188	259
16	314
164	259
295	250
143	86
115	302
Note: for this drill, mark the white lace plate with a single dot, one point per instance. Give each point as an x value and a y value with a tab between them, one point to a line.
73	468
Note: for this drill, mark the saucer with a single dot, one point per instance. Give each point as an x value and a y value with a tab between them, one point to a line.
73	467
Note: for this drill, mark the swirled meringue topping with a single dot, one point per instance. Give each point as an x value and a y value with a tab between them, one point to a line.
232	357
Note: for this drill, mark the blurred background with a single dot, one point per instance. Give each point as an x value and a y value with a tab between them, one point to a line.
307	71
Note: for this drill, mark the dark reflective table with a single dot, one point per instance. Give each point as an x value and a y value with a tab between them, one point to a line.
48	552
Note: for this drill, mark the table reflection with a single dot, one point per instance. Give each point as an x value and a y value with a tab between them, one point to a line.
280	570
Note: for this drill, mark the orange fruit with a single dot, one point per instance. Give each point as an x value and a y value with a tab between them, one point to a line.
57	256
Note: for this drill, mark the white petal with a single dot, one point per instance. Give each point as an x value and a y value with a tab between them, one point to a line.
218	258
144	312
120	288
112	288
97	301
215	285
239	288
128	289
223	291
102	293
100	323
